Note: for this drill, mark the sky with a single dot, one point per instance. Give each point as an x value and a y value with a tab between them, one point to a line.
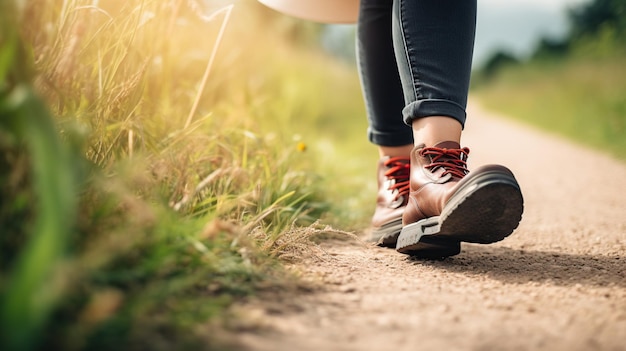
514	26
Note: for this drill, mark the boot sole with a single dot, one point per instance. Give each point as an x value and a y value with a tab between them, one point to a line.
485	211
387	234
430	246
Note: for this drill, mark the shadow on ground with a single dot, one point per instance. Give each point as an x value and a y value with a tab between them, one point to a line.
517	266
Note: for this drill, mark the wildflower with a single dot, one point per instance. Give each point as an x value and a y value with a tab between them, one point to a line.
301	147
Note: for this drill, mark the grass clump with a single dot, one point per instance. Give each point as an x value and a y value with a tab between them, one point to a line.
150	172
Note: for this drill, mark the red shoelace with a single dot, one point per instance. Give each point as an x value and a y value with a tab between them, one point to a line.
399	170
453	161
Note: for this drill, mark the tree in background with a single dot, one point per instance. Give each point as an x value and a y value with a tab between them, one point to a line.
496	62
590	18
597	28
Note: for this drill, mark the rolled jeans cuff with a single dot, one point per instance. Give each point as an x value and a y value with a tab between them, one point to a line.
434	107
391	138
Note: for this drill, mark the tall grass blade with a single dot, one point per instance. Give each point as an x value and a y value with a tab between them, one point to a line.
31	292
227	10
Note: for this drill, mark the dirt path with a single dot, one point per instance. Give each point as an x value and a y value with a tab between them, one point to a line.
558	283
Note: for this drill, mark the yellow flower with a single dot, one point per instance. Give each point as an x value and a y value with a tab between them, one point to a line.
301	147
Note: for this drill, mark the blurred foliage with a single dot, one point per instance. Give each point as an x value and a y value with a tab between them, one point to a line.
596	29
575	87
583	99
497	62
549	49
38	176
120	226
590	18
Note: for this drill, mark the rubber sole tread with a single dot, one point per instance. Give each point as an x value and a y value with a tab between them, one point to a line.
487	213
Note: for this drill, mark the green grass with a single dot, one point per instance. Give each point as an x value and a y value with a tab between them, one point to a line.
140	197
582	98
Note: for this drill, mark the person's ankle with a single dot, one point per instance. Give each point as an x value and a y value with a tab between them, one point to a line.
395	151
432	130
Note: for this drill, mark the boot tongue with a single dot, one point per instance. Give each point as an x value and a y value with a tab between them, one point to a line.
448	145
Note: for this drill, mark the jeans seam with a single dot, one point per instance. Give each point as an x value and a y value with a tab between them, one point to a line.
414	84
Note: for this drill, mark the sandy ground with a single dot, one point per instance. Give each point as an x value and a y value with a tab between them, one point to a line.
557	283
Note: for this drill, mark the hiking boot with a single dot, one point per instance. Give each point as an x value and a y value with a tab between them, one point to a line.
448	204
393	193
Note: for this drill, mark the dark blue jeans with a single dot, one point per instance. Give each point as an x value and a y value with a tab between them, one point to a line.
414	59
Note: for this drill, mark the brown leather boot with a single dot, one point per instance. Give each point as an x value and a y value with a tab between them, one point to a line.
393	193
448	204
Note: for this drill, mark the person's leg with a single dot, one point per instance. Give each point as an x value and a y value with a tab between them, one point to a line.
384	101
380	80
433	41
